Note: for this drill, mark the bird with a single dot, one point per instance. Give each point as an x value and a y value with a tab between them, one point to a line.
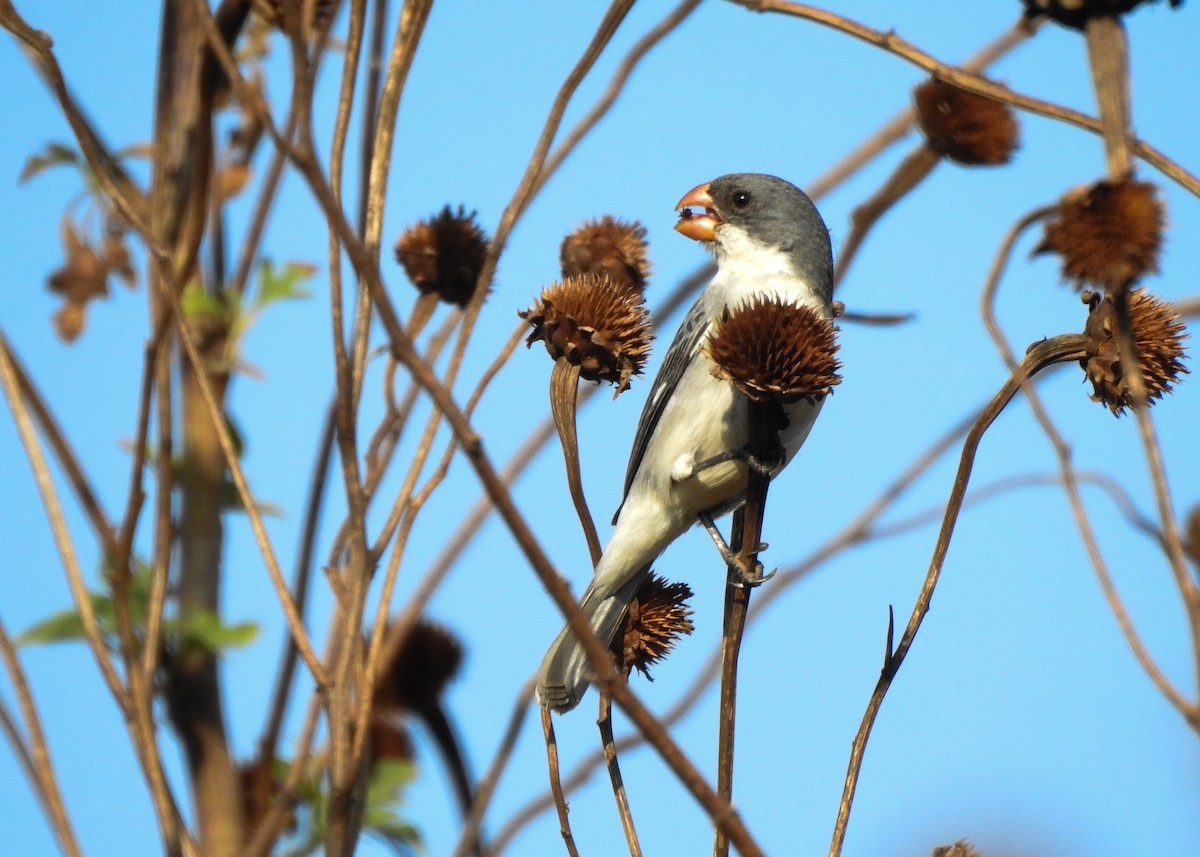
688	462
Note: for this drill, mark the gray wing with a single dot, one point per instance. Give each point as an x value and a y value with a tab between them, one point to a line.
679	355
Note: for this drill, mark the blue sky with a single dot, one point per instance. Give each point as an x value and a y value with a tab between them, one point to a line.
1020	719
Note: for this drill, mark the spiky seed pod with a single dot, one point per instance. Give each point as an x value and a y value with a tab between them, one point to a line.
1076	13
424	664
607	246
444	254
601	327
965	127
657	618
961	848
1108	234
774	350
1158	336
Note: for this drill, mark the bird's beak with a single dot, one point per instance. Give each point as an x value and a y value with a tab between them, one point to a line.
698	227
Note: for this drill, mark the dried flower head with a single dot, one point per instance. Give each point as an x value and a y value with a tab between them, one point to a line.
423	665
961	848
657	618
965	127
607	246
774	350
1076	13
84	275
444	254
1108	234
601	327
1158	336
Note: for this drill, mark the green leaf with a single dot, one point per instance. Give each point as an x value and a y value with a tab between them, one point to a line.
54	155
385	793
204	628
197	302
61	627
282	283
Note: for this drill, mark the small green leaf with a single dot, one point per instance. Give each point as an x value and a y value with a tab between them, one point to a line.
385	793
197	302
282	283
204	628
54	155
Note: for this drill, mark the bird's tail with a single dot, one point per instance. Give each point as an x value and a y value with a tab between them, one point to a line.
565	672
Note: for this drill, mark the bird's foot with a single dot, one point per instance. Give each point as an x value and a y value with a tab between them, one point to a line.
760	465
742	572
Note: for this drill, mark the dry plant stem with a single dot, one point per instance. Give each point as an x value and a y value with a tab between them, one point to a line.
618	786
318	482
1070	481
564	387
64	453
128	198
908	174
1059	349
971	82
620	77
1108	57
560	802
746	536
36	757
59	531
294	622
608	747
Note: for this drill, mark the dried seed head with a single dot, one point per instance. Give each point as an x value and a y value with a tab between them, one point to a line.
657	618
389	738
774	350
965	127
594	323
1108	234
444	254
607	246
423	665
961	848
84	275
1076	13
1158	336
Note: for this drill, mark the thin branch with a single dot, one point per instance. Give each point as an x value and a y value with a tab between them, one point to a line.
1042	354
36	757
560	801
971	82
608	747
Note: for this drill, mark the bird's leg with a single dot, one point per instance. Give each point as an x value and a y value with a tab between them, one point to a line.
745	576
760	465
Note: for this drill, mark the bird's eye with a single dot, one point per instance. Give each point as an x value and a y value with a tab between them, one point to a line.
741	199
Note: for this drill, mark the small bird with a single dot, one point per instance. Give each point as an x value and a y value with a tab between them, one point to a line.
689	462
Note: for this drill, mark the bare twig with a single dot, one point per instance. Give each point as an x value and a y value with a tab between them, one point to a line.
608	747
1042	354
564	825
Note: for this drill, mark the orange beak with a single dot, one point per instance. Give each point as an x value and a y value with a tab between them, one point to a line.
698	227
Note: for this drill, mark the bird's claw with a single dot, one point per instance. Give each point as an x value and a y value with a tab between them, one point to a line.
742	577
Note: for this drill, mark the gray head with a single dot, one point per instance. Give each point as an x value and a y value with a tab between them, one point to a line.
769	210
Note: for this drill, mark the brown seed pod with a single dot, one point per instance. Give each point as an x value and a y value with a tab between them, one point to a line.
607	246
1108	234
965	127
774	350
601	327
657	618
444	255
1076	13
424	664
1158	336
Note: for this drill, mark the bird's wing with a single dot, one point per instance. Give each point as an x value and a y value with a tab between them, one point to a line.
679	355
